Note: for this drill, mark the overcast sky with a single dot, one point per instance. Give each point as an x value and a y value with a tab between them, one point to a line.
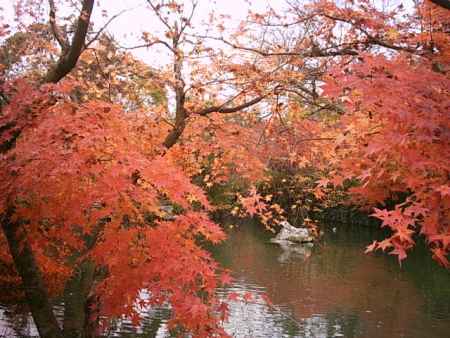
129	26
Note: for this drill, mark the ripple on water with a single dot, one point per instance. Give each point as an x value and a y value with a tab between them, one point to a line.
332	290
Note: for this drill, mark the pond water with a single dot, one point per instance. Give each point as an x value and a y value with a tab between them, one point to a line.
330	290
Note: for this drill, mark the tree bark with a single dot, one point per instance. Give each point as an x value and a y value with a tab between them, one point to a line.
15	232
35	290
76	293
180	96
69	56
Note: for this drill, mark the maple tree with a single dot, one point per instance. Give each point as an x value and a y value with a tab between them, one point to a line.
94	142
402	148
397	135
81	201
388	89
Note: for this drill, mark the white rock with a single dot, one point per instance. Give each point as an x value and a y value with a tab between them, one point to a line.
292	234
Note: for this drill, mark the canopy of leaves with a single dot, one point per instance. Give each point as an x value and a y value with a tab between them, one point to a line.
83	179
94	142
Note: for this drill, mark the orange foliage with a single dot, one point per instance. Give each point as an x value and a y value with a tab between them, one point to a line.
87	180
396	140
88	171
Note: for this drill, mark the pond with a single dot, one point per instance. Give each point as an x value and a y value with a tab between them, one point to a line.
330	290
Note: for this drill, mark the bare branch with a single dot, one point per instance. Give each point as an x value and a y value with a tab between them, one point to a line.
223	110
102	29
59	36
287	24
314	52
158	14
188	21
147	45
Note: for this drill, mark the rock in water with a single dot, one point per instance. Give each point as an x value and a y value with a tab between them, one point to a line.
292	234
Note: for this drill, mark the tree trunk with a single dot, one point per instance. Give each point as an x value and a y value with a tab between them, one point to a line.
35	290
76	309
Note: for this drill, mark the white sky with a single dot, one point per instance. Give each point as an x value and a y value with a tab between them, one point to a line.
129	26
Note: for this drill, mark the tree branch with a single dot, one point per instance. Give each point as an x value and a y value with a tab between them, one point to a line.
102	29
313	52
189	19
149	44
68	59
28	270
158	14
371	40
55	29
223	110
442	3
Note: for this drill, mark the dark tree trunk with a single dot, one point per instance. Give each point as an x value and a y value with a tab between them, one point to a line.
69	57
76	308
28	270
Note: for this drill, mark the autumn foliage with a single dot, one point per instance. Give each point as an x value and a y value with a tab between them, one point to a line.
396	143
85	184
380	126
95	145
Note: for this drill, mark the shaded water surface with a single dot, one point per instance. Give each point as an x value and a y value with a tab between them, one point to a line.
335	290
331	290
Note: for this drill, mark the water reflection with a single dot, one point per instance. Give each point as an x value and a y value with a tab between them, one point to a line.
154	324
14	324
330	290
339	291
256	319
